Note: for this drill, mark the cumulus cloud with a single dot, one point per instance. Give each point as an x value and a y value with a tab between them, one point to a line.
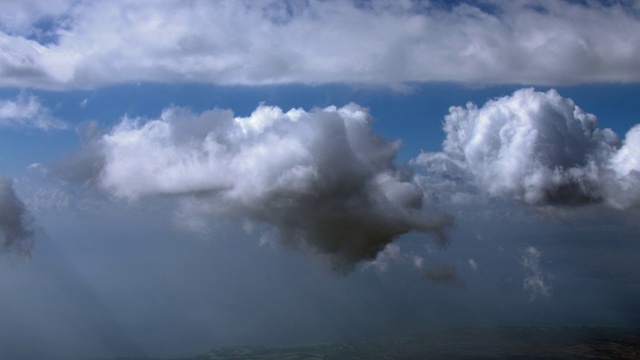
534	281
539	148
94	43
322	179
16	224
390	253
624	189
27	111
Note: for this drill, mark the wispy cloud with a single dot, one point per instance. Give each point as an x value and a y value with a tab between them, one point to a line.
96	43
26	111
534	281
473	264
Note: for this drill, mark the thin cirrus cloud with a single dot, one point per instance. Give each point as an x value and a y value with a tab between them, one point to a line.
322	179
540	148
94	43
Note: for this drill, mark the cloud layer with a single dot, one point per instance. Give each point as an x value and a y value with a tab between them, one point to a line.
16	224
72	44
540	148
322	179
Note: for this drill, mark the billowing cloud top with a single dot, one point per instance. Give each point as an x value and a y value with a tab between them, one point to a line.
16	224
322	179
71	44
540	148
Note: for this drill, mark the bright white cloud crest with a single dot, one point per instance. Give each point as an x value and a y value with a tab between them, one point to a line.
540	148
321	178
94	43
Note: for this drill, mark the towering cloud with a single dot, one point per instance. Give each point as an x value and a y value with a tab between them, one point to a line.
16	224
71	44
323	178
540	148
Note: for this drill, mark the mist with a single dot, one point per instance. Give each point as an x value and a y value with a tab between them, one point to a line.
125	281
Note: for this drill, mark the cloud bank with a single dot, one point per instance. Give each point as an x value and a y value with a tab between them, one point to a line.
322	179
539	148
84	44
16	224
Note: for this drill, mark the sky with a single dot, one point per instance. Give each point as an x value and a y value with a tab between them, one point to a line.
180	175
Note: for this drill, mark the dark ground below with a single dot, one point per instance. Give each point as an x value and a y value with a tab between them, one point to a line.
571	342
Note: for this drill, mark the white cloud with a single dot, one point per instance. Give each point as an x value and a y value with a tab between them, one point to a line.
537	147
534	282
323	178
390	253
27	111
624	191
21	16
272	42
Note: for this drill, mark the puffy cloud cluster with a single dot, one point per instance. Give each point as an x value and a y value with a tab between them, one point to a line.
540	148
323	178
71	44
16	224
27	111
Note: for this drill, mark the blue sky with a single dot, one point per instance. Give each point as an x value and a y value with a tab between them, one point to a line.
182	175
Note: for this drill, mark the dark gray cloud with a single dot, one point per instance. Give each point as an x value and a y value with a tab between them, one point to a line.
16	224
322	179
83	166
444	274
